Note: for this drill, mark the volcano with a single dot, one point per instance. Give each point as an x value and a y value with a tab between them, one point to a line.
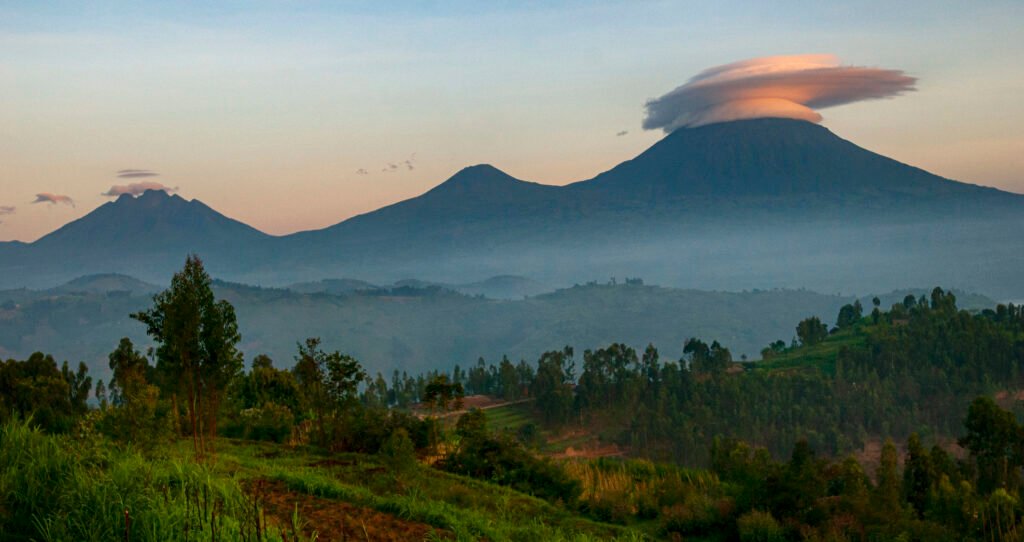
699	208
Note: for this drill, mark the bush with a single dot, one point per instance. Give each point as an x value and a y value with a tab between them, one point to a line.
505	461
758	526
698	515
367	430
398	451
270	422
529	435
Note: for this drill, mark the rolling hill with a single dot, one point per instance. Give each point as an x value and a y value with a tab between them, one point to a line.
410	328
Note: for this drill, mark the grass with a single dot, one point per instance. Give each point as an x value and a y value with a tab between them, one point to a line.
821	356
78	488
509	417
62	488
469	509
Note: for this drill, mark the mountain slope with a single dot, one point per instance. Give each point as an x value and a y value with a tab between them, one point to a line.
748	204
153	220
147	236
779	161
476	196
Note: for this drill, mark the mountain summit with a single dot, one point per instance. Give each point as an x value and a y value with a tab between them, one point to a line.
743	204
156	220
768	157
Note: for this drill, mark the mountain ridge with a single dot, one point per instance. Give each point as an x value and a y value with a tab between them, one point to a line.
679	211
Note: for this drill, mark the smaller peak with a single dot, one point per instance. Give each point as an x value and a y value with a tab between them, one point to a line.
481	168
480	172
479	179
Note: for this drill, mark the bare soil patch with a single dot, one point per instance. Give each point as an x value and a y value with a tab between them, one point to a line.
333	520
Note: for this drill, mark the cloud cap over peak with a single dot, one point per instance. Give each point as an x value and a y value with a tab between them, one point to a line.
774	86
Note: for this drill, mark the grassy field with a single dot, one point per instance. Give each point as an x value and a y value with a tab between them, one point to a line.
83	488
821	356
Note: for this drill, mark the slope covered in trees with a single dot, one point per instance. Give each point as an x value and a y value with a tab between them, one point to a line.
769	435
418	328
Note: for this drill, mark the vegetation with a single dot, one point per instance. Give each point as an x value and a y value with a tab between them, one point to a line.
721	450
419	329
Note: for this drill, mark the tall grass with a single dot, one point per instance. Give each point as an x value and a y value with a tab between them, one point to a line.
622	491
57	488
83	488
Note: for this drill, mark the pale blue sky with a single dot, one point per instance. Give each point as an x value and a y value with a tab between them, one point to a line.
266	110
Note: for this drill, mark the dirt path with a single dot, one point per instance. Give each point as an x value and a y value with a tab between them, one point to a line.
333	520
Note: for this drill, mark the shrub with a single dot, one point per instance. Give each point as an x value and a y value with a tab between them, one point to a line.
503	460
758	526
399	452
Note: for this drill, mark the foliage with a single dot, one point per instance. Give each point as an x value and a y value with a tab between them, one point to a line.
758	526
36	387
812	331
197	337
135	414
503	460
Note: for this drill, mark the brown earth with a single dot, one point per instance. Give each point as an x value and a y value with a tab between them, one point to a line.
332	520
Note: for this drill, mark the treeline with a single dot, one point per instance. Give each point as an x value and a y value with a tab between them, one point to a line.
55	396
912	368
925	493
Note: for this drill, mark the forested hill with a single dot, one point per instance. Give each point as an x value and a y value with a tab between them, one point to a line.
412	328
876	374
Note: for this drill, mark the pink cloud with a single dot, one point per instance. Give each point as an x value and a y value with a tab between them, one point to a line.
46	197
776	86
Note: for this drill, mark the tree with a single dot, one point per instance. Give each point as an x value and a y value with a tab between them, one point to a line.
811	331
36	388
706	359
133	397
552	386
330	382
917	475
197	337
849	315
440	394
887	492
79	385
129	369
994	440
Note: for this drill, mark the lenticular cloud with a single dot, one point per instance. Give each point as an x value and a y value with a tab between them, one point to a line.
775	86
54	199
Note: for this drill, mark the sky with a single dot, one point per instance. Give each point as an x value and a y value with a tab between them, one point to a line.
292	115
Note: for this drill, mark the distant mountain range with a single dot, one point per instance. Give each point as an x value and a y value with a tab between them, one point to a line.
748	204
